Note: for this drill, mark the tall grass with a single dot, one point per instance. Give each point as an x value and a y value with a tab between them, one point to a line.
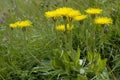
33	60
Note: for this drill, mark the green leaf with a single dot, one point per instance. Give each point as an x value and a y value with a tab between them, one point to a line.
77	58
90	57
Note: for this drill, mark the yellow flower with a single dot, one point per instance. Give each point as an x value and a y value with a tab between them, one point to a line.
12	25
21	24
64	11
51	14
62	27
80	18
25	23
73	13
67	12
103	20
93	11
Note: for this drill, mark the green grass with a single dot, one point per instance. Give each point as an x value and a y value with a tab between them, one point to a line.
32	59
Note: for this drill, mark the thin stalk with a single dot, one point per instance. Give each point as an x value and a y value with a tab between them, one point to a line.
56	33
9	40
102	38
70	35
86	38
94	38
55	24
24	38
67	35
26	45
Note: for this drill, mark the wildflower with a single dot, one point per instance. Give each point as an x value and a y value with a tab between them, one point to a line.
62	27
80	18
12	25
21	24
103	20
52	14
93	11
67	12
64	11
25	23
73	14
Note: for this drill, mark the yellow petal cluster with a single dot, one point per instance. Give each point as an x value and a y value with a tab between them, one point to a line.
80	18
62	27
93	11
62	12
12	25
103	20
51	14
21	24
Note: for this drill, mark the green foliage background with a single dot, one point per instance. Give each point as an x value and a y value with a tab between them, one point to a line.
34	62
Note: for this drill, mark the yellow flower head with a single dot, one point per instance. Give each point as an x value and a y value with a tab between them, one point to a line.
73	13
103	20
12	25
25	23
64	11
51	14
62	27
80	18
93	11
67	12
21	24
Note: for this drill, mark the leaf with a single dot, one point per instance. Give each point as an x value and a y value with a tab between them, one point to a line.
77	58
90	57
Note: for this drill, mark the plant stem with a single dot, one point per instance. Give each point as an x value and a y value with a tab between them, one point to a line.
26	45
67	35
24	38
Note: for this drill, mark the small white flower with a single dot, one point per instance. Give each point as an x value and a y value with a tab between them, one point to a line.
80	61
82	71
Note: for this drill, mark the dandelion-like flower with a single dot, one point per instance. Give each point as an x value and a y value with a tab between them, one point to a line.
25	23
80	18
68	12
12	25
21	24
73	14
52	14
93	11
62	27
103	20
62	12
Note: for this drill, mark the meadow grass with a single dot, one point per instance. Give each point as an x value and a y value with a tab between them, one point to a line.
36	54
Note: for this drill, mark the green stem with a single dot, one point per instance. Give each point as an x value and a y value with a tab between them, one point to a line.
70	36
25	39
94	38
65	33
102	38
86	38
56	33
26	43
